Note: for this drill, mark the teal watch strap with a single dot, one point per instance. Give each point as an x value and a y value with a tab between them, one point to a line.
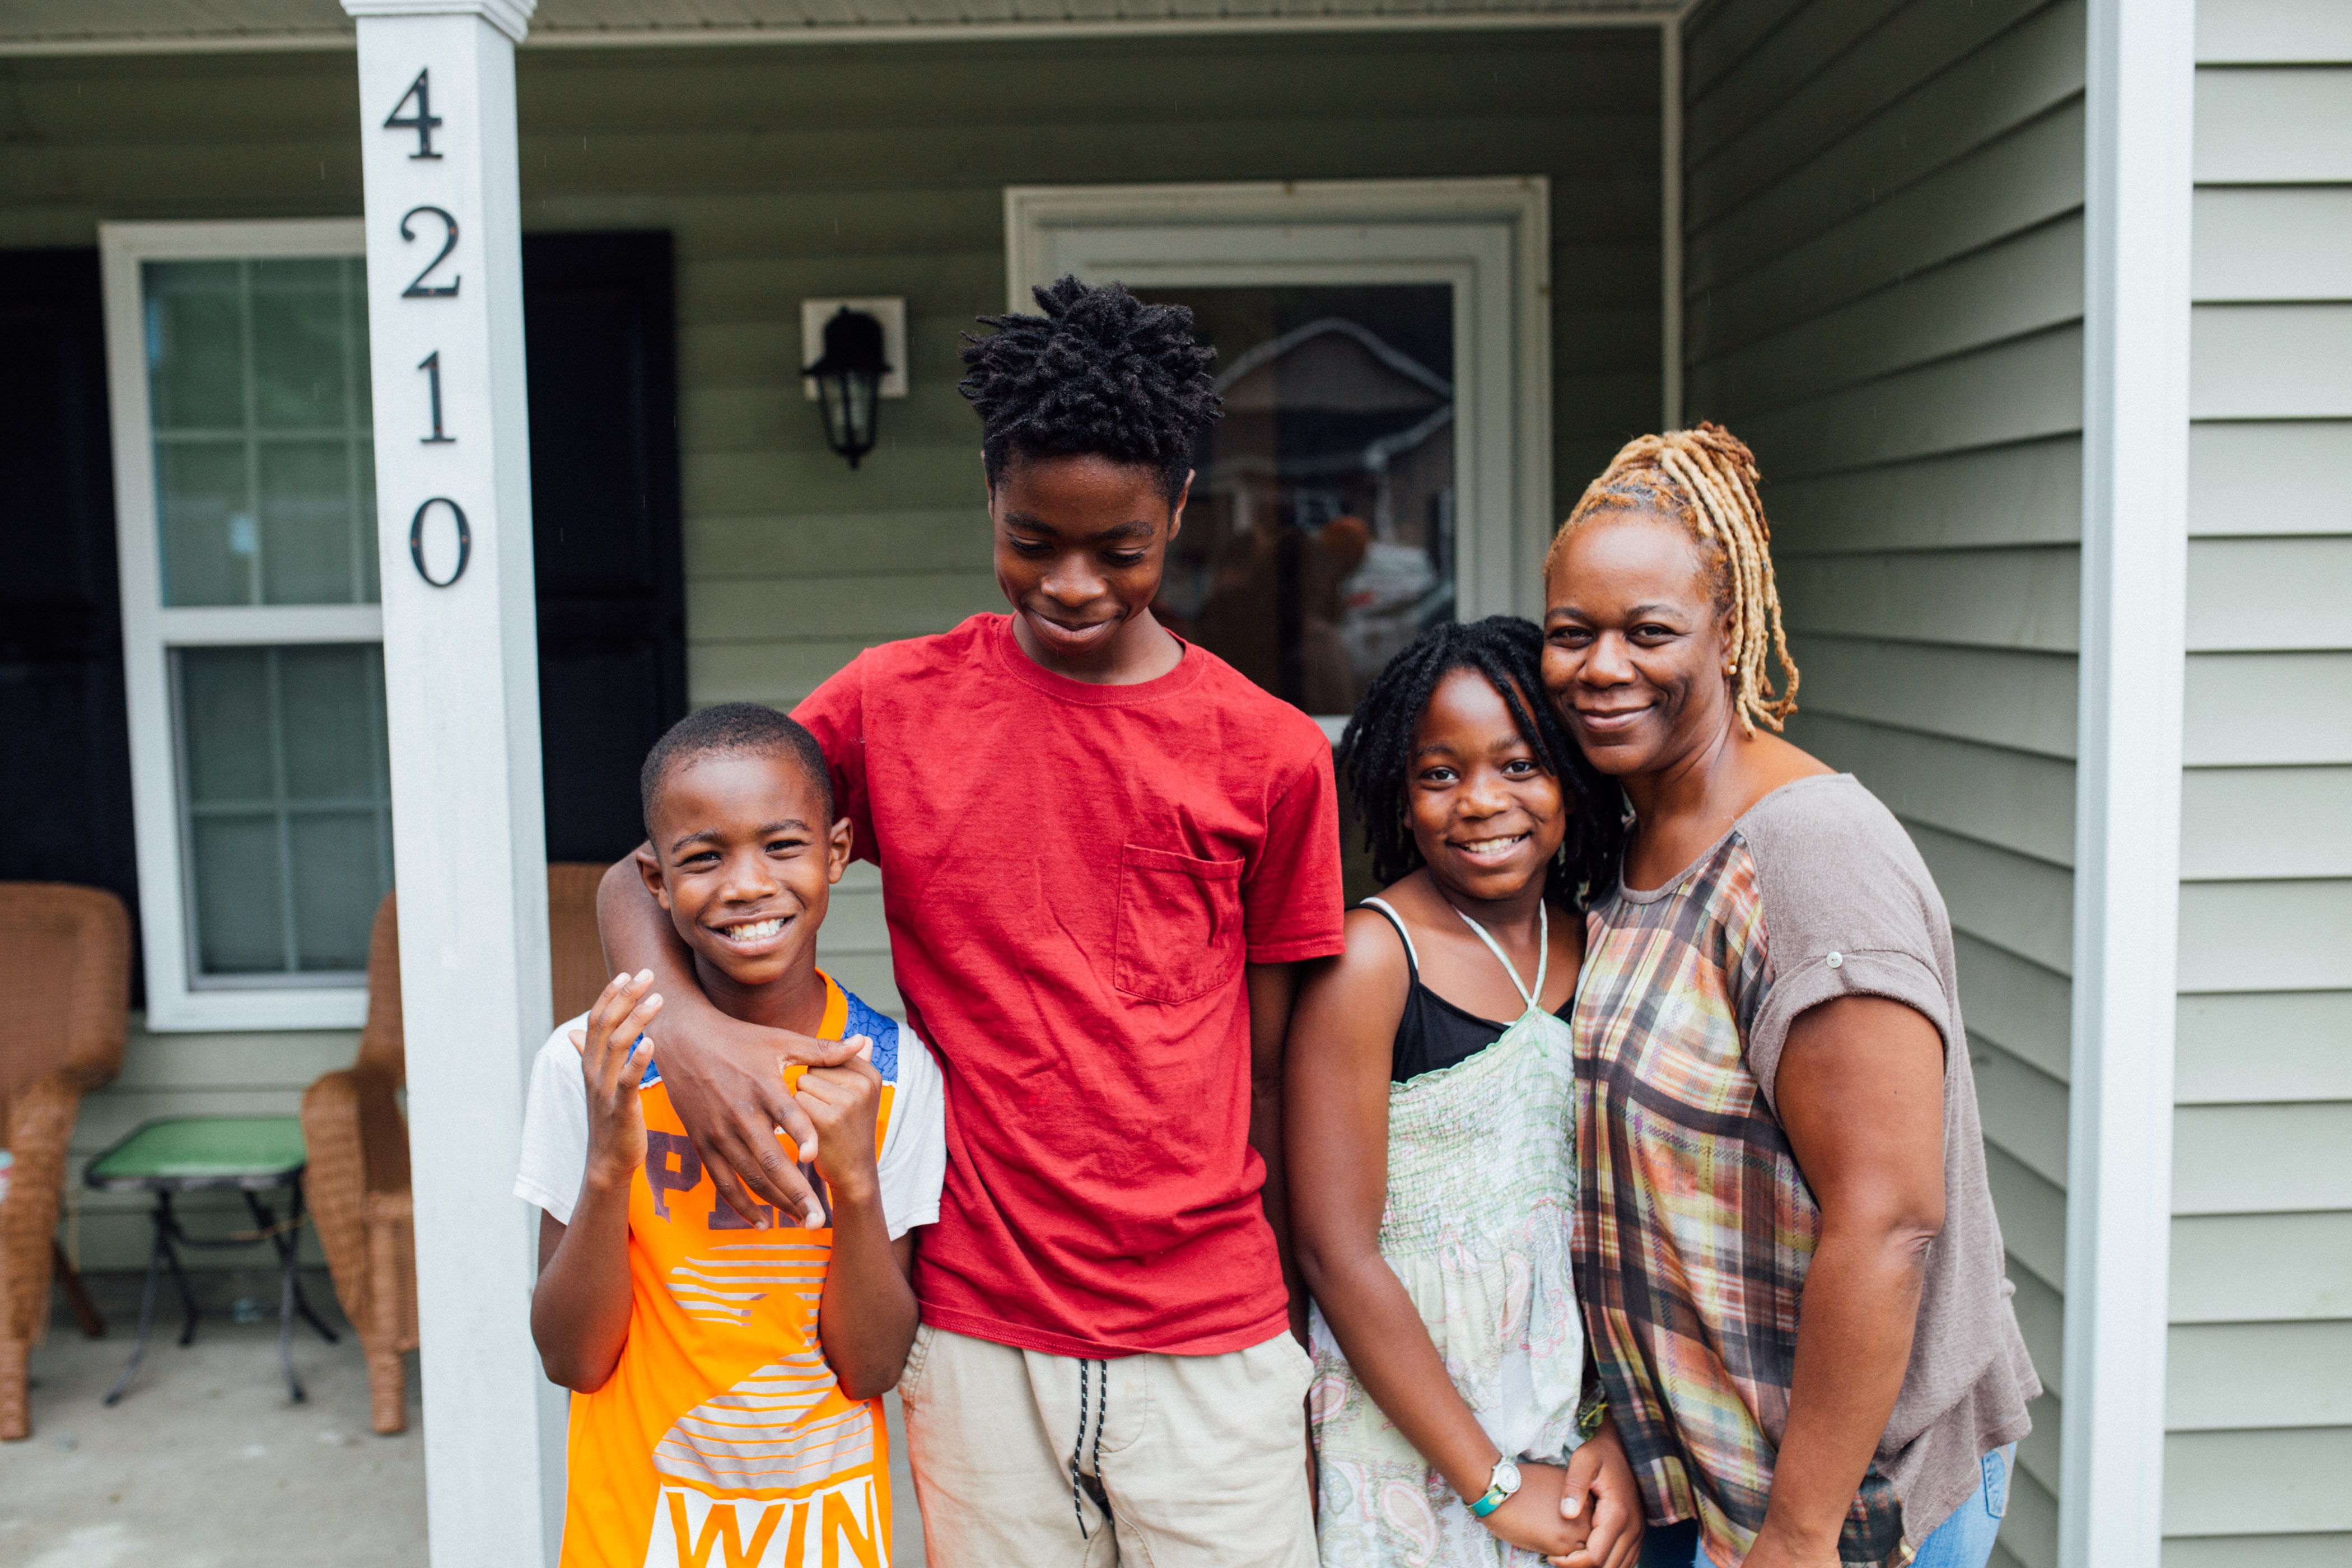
1500	1489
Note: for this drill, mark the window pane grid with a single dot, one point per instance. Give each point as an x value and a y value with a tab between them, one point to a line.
238	510
282	880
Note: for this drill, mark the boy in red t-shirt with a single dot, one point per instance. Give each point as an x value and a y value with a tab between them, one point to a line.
1103	852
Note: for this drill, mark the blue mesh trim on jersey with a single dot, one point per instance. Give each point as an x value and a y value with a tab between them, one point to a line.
878	1027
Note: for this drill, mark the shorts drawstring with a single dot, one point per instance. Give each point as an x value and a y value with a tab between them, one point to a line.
1102	1401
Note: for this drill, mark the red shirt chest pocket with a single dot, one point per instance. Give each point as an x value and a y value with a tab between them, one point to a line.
1179	924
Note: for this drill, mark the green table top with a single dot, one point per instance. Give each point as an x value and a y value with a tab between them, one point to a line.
182	1153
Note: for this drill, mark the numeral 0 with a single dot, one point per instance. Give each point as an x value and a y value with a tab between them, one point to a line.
416	540
417	288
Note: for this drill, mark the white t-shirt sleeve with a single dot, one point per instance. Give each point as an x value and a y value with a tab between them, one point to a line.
555	1126
913	1159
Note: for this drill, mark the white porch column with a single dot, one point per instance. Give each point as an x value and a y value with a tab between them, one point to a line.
461	679
2141	93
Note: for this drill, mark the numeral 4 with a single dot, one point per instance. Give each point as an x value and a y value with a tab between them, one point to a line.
424	122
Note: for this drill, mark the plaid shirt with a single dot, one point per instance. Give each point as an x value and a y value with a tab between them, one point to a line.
1694	1227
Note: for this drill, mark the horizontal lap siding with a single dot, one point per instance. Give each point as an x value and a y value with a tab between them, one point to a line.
2260	1358
789	173
792	174
1884	258
784	174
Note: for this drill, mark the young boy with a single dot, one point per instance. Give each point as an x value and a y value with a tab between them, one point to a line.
1103	854
727	1381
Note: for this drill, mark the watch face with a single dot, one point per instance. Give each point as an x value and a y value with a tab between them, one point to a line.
1506	1477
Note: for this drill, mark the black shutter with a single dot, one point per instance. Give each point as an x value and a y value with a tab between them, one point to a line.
601	336
64	740
610	562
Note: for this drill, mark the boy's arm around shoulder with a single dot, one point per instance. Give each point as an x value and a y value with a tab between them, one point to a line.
723	1073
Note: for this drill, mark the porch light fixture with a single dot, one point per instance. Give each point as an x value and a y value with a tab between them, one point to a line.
849	381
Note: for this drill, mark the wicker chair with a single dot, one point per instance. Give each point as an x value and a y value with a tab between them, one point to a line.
357	1185
65	961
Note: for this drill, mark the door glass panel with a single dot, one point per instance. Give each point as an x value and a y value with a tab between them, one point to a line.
257	380
1320	536
288	806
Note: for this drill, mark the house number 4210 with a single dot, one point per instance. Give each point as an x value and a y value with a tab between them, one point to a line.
414	112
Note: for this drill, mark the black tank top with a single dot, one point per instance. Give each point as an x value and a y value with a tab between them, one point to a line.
1434	1033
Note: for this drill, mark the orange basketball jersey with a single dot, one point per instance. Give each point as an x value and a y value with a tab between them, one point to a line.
721	1439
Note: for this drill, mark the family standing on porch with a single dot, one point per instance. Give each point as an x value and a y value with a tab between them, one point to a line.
1608	1189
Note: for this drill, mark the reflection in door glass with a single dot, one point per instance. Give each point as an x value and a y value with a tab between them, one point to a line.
1320	536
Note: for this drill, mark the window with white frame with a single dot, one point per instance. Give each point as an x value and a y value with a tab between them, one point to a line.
245	482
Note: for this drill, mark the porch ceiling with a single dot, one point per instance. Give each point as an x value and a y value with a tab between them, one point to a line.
45	27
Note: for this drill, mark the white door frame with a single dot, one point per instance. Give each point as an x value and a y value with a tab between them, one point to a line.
1489	238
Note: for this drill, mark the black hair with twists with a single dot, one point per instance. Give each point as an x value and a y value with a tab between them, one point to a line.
1376	752
734	728
1099	372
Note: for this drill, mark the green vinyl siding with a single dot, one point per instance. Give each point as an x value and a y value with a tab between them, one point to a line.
2261	1360
1883	273
786	173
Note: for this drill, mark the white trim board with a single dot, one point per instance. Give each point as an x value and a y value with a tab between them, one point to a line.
835	34
1488	239
2139	102
150	629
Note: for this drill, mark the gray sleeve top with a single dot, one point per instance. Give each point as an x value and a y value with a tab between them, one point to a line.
1850	909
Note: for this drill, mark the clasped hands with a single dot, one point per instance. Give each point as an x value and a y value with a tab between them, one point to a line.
1585	1514
728	1090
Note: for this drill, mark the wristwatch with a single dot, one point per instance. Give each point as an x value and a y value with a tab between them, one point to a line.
1500	1488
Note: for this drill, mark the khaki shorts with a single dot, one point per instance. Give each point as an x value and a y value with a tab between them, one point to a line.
1195	1460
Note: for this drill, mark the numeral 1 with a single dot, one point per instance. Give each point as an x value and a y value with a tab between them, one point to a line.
430	365
424	122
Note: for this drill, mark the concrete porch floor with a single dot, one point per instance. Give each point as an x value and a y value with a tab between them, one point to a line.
207	1463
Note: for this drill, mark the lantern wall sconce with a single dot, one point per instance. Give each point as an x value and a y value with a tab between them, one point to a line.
853	353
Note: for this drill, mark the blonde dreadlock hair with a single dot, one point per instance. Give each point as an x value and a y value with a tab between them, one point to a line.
1707	479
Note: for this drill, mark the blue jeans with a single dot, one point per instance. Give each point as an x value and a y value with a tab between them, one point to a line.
1962	1541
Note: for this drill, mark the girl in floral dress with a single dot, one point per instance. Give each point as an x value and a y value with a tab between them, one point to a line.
1430	1110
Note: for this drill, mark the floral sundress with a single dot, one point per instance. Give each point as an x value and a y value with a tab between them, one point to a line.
1481	1193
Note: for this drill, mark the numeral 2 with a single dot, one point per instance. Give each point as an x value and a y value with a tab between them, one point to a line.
424	122
417	288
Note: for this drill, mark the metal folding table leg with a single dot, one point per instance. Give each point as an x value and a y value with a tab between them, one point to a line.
168	1234
155	1255
293	1243
268	1224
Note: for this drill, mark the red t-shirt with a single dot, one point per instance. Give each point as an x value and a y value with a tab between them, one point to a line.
1073	877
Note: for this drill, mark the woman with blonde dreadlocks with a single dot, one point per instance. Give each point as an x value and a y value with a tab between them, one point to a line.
1785	1246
